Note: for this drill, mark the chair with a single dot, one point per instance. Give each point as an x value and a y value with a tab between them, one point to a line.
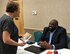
68	40
37	36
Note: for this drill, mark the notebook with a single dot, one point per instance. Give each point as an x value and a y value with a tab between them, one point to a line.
35	49
26	37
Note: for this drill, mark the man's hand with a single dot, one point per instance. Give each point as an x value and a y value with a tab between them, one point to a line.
44	44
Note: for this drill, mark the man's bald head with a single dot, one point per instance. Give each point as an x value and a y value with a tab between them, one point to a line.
53	24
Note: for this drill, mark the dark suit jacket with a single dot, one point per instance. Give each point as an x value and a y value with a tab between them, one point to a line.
59	38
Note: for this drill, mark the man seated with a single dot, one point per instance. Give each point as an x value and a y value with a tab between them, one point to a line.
54	36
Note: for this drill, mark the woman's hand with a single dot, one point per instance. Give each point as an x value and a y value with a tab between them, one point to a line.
21	44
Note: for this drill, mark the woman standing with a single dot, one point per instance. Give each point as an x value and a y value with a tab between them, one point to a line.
9	31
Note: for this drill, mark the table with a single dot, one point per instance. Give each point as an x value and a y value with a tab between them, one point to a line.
21	50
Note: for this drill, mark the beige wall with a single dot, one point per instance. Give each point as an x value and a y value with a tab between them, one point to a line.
46	10
2	6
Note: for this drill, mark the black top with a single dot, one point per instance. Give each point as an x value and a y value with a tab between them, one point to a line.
7	24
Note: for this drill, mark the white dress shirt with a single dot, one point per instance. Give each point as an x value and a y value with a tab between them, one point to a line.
50	39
